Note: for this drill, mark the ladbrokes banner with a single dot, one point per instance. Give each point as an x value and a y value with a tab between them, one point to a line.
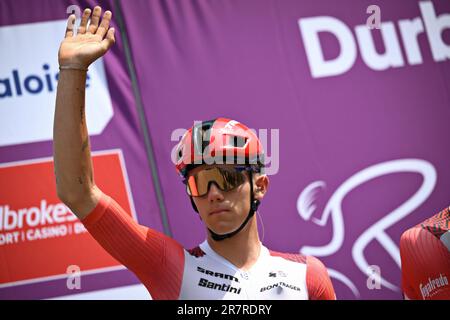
38	228
353	114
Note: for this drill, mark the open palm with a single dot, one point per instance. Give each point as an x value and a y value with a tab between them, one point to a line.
90	43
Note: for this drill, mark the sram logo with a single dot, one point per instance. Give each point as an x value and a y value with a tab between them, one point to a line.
28	81
432	24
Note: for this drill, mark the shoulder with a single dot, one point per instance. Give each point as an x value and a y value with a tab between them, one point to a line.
422	240
314	267
426	234
299	258
318	281
409	237
435	225
424	253
313	264
415	246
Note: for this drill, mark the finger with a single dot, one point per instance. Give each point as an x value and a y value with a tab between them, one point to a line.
70	26
103	28
95	19
109	40
84	20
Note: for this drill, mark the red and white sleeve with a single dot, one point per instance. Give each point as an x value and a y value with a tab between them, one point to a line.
425	265
318	281
156	259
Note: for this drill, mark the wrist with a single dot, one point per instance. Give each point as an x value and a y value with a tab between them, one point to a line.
73	66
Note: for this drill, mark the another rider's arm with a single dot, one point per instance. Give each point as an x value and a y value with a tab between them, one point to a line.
424	258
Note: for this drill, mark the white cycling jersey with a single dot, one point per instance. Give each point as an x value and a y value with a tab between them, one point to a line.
207	275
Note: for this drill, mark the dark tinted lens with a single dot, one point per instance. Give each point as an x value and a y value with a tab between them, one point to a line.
232	178
226	179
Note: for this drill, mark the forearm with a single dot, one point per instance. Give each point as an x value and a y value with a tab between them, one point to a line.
72	158
72	155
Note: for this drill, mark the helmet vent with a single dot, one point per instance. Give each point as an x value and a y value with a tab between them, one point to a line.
236	141
201	135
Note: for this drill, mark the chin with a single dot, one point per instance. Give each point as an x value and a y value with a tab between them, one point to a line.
222	228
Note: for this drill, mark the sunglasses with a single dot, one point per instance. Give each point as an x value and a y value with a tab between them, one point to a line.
225	178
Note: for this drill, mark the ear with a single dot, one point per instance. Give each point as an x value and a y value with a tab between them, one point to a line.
261	186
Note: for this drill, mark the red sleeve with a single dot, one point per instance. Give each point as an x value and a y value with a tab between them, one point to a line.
157	260
425	265
318	281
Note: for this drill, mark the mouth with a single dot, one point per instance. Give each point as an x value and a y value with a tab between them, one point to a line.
218	211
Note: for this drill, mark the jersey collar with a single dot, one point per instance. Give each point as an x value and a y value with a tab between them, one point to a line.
263	255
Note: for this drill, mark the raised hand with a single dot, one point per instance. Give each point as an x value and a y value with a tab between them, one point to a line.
90	43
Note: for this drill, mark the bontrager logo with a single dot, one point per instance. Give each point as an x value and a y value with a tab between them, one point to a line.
280	284
432	285
430	23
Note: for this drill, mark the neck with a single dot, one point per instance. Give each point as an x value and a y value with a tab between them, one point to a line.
242	249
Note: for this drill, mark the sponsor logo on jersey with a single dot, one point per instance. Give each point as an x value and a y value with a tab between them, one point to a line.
217	274
279	285
218	286
279	273
432	286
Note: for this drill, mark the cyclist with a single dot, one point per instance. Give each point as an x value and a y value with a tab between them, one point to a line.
231	263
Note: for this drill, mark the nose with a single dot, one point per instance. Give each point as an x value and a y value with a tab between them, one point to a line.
214	193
